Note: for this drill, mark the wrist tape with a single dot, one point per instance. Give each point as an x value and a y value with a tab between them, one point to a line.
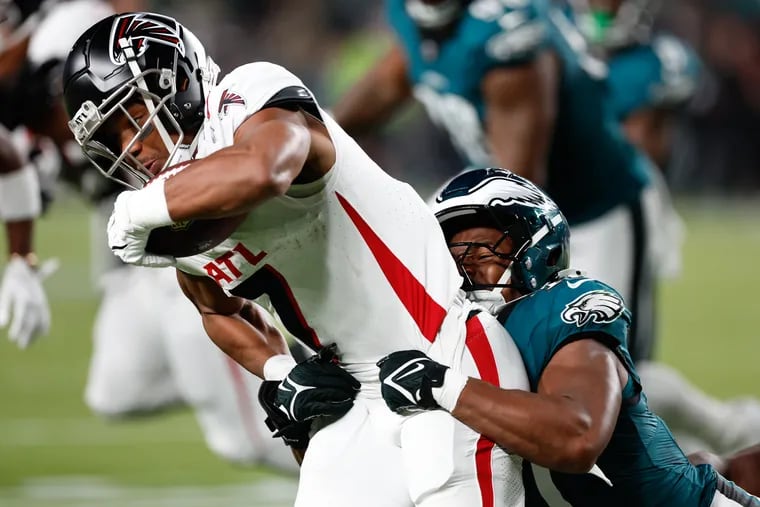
448	394
148	206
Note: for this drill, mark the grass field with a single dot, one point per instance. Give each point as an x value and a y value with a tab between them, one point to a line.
53	452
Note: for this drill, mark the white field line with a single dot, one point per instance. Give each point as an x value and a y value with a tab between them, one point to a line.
95	492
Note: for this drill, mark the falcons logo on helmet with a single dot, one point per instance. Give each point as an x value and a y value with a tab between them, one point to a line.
141	30
598	306
229	98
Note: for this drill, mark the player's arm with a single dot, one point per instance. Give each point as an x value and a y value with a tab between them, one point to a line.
378	95
19	222
568	423
521	108
564	427
23	303
652	131
237	326
271	149
742	467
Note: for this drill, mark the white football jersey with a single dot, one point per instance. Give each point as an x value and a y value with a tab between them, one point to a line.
356	258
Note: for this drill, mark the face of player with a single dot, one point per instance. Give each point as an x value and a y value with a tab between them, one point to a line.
149	149
478	258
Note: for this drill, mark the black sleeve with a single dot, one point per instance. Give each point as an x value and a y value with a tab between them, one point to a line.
294	98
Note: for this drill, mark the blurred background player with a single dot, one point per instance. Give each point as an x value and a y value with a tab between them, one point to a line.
652	77
150	351
23	303
513	85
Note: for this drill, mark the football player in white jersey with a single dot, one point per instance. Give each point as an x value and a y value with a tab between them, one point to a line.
23	304
138	365
345	253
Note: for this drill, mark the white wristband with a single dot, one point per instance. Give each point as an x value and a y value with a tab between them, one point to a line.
277	367
448	394
20	197
148	208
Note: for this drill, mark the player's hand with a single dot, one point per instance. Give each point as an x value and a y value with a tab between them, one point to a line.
23	303
407	380
317	387
293	433
135	214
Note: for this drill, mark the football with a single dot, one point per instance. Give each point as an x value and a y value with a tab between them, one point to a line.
185	239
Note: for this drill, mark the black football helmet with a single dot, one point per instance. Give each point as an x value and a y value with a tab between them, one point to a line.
500	199
137	57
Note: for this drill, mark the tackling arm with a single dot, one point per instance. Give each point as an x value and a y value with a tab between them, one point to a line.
378	95
521	107
237	326
567	424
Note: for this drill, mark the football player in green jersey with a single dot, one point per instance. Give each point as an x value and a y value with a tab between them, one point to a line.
587	406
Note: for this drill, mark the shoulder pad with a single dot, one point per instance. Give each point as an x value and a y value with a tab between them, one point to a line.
514	29
679	70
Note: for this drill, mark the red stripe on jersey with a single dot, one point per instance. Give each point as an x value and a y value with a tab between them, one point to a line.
424	310
480	349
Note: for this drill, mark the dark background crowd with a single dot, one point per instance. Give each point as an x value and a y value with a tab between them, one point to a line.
329	43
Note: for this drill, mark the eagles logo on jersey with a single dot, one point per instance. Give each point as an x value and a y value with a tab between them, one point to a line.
598	306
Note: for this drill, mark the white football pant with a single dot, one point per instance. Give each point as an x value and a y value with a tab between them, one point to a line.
373	457
150	351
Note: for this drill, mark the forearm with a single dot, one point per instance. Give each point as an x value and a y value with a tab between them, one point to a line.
236	179
19	234
521	110
374	99
244	338
550	431
232	183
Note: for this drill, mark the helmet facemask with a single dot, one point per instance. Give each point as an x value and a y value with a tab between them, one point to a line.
468	252
631	24
137	58
434	16
105	151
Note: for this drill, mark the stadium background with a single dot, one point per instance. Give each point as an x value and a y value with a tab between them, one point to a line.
53	452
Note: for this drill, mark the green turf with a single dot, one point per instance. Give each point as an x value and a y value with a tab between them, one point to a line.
53	452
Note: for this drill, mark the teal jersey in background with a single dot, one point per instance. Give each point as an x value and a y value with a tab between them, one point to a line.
642	460
591	167
660	75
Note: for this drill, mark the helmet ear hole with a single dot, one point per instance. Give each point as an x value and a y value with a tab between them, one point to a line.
554	256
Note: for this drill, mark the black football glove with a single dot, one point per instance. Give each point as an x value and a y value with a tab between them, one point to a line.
293	433
407	381
317	387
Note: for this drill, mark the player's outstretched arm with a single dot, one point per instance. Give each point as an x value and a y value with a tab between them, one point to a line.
564	427
379	94
272	148
521	108
237	326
